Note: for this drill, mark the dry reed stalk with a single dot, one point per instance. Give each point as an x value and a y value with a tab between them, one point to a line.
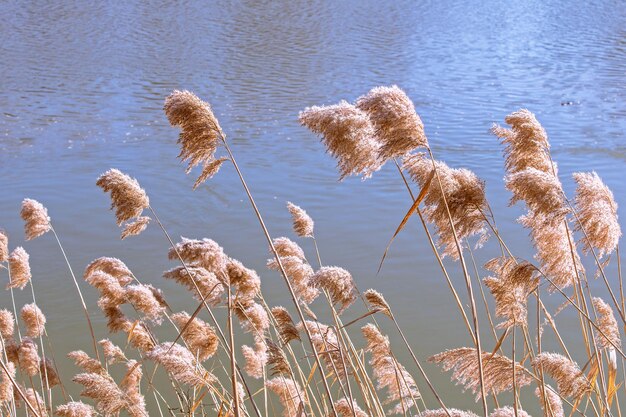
35	216
497	370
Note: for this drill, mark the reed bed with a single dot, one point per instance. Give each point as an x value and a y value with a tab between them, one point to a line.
233	354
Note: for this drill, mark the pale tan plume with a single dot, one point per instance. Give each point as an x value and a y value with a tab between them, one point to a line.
291	396
608	325
35	216
552	405
112	352
285	325
302	223
508	411
199	336
180	363
103	389
75	409
345	409
338	283
112	266
28	355
210	287
377	301
33	319
571	381
299	273
397	126
388	372
19	268
35	400
287	247
440	412
246	281
497	370
143	299
200	134
348	135
465	197
135	227
6	386
205	253
86	363
7	324
135	402
49	371
4	246
127	197
597	212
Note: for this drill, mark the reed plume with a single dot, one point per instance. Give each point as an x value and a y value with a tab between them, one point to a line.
35	400
510	289
108	286
440	412
112	266
348	135
389	373
35	216
47	368
180	363
597	212
211	289
19	268
127	197
570	380
75	409
292	397
555	251
397	126
302	222
4	246
135	227
200	131
142	298
6	386
287	247
327	344
344	409
138	335
338	283
608	325
135	402
7	324
541	191
465	197
256	357
377	301
300	274
552	402
103	389
508	411
276	359
526	143
205	253
497	370
34	320
86	363
199	336
112	352
245	280
285	325
28	356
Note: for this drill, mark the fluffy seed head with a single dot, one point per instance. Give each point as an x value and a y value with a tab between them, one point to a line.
199	336
86	363
465	196
7	324
526	143
246	281
325	340
276	361
180	363
497	375
135	403
377	301
440	412
397	125
300	274
209	170
4	246
34	320
597	212
127	197
103	389
112	352
75	409
49	372
138	335
285	325
344	409
19	268
6	386
541	191
210	288
36	217
292	397
287	247
569	378
200	131
28	357
142	298
205	253
338	283
551	404
348	135
135	227
389	373
608	325
256	358
112	266
508	411
35	400
302	222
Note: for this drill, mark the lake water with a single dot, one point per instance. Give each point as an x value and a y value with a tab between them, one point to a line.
82	87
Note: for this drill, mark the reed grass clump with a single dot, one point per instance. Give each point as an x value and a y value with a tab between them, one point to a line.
231	353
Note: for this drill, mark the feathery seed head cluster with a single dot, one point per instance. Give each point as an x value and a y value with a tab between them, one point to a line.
338	283
291	396
302	222
19	268
569	378
35	216
608	325
199	336
4	246
34	320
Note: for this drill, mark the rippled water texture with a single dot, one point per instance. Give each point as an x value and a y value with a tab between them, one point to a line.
82	86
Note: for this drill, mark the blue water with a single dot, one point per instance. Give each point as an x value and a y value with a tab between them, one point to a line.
82	86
